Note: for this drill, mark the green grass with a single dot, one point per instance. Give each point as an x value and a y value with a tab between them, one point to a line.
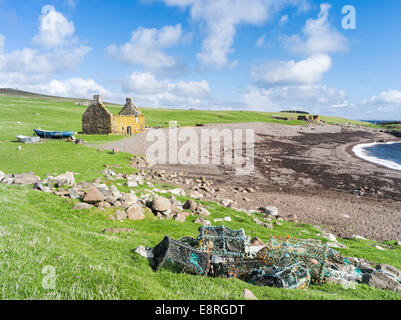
39	229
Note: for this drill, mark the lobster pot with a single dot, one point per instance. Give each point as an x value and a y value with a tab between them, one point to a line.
294	276
221	240
179	257
235	269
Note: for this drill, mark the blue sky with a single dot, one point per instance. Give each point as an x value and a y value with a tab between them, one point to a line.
209	54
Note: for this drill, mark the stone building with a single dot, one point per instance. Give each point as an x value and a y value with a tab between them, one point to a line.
98	120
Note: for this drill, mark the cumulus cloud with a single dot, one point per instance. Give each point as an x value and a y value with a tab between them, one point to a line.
59	51
55	30
313	98
146	49
306	71
318	36
221	18
150	91
386	101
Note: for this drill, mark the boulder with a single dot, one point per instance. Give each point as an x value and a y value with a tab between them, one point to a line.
203	222
26	178
145	252
93	196
135	212
82	206
271	211
121	215
128	200
389	269
180	217
248	295
160	204
65	179
103	205
381	280
190	205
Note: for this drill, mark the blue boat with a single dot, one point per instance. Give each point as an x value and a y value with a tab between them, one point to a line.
53	134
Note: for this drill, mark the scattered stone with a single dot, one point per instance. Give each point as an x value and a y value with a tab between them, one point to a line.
93	196
180	217
161	204
329	236
145	252
202	211
26	178
121	215
65	179
389	269
190	205
134	181
346	216
19	148
336	245
118	230
135	212
178	192
203	222
257	242
380	248
2	175
248	295
227	219
356	237
196	195
82	206
272	211
292	218
381	280
398	243
103	205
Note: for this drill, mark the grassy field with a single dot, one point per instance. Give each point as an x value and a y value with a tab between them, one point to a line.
39	229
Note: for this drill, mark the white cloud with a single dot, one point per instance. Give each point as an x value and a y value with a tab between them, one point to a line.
71	3
313	98
221	18
306	71
59	52
283	20
152	92
319	36
261	41
386	101
55	30
145	49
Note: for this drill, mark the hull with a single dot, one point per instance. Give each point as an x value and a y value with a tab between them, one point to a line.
53	134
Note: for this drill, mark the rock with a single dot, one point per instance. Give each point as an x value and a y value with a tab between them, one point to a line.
398	243
257	242
134	181
26	178
203	222
2	175
380	248
380	280
178	192
82	206
118	230
196	195
267	225
79	141
272	211
74	193
356	237
161	204
248	295
93	196
66	179
227	203
145	252
190	205
202	211
292	218
227	219
329	236
128	200
180	217
135	212
121	215
8	180
103	205
336	245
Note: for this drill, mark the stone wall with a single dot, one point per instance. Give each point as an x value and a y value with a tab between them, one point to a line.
120	124
97	119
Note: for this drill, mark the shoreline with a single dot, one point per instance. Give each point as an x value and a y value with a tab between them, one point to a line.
358	151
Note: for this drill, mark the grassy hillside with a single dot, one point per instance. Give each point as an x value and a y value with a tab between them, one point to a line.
39	229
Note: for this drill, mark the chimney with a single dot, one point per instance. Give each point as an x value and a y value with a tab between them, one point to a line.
97	99
130	102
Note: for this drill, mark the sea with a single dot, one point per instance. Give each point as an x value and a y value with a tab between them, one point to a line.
385	154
